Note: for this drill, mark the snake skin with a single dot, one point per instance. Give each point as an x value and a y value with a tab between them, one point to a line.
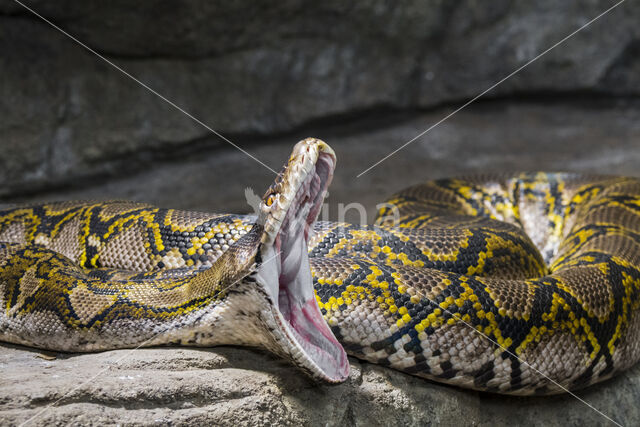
519	285
528	284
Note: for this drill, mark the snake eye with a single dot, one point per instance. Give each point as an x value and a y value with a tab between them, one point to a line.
270	199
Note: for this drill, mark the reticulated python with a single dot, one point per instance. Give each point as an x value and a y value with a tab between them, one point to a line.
528	284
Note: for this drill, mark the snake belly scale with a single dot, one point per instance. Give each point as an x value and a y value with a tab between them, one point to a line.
522	284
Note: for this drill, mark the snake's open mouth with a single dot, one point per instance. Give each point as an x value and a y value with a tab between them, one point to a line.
285	270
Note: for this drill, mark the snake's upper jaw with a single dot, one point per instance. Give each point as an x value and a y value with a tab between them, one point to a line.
289	207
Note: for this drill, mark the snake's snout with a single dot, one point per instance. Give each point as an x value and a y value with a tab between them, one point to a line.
288	209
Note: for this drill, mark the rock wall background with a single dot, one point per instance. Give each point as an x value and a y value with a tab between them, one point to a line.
366	78
253	69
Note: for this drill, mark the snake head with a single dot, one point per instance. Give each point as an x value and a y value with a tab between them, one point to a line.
287	210
295	198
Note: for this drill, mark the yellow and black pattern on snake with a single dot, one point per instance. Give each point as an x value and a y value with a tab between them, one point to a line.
102	262
527	284
87	276
457	292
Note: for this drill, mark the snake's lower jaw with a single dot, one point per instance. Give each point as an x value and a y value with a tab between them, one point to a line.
301	333
285	273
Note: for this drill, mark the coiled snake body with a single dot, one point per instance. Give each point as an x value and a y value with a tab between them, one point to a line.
525	284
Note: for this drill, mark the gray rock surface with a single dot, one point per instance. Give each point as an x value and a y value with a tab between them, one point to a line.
589	135
235	386
227	386
250	69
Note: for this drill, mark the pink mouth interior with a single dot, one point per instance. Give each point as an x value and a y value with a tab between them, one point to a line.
296	299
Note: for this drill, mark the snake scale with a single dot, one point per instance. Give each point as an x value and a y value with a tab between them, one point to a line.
523	284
